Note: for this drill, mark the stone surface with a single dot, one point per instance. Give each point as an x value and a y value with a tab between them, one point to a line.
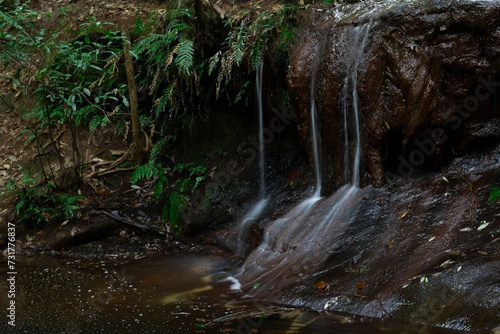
430	73
407	244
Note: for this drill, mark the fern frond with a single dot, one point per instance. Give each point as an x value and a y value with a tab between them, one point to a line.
157	148
162	102
95	122
185	56
214	61
170	57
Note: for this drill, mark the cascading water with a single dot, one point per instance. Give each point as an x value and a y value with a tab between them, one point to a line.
315	137
359	42
256	211
297	243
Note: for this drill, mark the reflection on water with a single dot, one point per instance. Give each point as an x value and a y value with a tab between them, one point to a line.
170	294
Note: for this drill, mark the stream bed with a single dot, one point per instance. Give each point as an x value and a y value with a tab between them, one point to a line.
168	294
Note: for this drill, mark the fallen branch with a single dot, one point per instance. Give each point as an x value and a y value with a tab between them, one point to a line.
111	169
129	223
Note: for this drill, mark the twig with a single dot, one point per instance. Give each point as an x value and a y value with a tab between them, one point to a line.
110	171
129	223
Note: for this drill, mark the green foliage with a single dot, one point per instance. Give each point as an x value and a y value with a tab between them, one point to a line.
75	79
186	178
175	209
70	80
494	193
249	38
151	171
37	202
170	70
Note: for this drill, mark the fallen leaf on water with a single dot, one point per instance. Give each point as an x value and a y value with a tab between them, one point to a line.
459	268
445	180
466	229
387	125
402	215
483	225
361	285
432	238
483	252
390	243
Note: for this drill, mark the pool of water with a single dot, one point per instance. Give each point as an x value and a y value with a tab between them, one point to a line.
169	294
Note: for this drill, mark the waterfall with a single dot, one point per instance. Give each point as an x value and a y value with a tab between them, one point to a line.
262	171
258	208
360	39
315	138
298	242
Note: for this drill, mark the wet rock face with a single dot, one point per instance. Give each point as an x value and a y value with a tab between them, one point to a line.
428	83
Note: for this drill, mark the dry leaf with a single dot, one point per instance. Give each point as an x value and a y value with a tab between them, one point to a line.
402	215
361	285
321	285
455	252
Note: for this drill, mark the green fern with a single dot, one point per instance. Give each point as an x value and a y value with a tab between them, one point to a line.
163	101
185	56
494	193
176	208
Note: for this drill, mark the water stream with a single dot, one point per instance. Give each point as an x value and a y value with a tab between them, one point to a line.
258	208
175	294
297	243
358	43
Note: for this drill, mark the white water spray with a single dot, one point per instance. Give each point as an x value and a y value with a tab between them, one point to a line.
298	242
360	38
256	211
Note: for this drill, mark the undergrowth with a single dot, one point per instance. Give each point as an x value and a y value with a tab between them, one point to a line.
75	79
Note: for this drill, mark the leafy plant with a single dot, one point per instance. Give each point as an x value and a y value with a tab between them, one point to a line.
169	59
37	202
248	39
70	80
494	193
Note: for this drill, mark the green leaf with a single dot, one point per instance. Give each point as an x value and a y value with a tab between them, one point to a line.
184	59
125	101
